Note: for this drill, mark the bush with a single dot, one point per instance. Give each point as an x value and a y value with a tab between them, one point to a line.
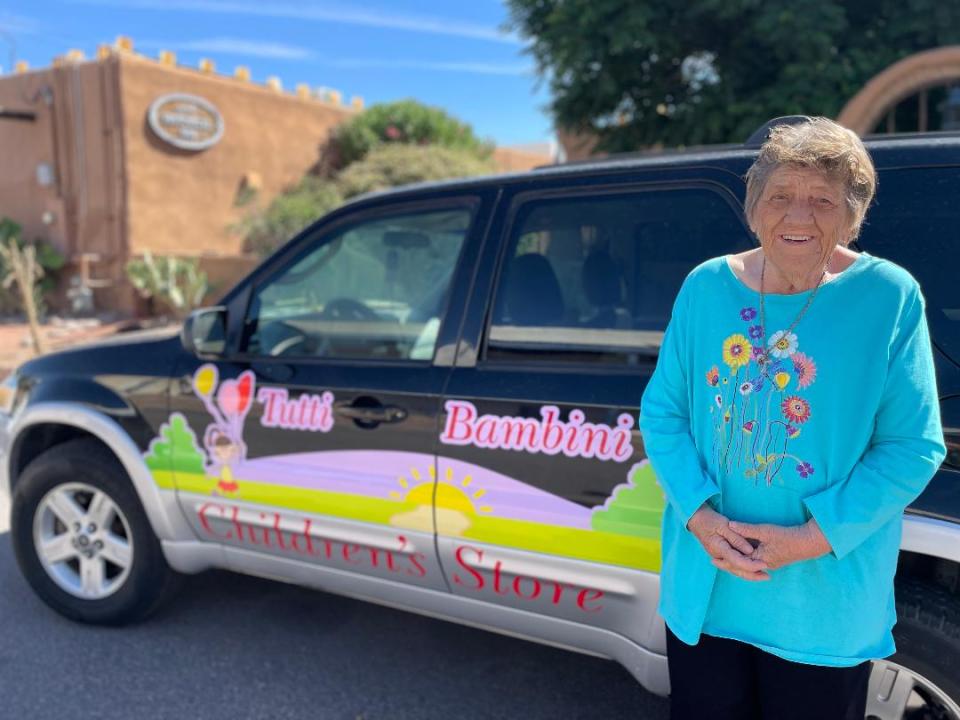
393	165
178	283
405	122
48	258
288	214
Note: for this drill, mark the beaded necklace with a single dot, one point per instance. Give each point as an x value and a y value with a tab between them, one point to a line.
763	358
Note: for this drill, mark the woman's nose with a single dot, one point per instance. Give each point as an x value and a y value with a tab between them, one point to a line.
799	210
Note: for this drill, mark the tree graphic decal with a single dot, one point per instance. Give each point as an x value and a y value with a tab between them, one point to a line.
176	448
635	507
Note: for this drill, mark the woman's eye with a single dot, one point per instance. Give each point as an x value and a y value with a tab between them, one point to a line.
824	202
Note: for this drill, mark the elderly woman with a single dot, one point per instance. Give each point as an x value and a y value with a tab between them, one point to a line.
791	418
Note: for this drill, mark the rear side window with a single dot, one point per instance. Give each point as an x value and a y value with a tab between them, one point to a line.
915	222
594	278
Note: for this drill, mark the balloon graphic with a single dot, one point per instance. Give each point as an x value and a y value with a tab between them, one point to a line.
228	397
245	392
781	379
205	380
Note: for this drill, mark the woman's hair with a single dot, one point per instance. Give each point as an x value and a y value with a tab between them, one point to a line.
823	145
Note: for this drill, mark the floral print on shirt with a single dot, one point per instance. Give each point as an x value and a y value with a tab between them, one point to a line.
760	409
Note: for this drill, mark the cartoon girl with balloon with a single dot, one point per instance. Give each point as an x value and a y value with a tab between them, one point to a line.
228	404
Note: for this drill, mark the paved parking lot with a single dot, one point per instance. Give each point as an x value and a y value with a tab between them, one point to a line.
241	648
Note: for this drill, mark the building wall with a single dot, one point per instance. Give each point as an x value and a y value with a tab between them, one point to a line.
76	135
25	145
120	190
183	202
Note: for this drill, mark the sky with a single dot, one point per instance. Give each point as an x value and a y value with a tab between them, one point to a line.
455	55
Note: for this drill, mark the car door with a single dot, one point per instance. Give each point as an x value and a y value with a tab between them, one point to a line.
546	502
314	439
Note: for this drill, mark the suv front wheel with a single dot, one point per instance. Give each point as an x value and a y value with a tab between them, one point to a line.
82	539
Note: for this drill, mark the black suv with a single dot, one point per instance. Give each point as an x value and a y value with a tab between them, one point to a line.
429	397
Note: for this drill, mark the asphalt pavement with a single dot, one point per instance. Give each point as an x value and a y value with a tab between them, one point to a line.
236	648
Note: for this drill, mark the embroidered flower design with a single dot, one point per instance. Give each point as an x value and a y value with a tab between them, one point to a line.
792	431
781	379
746	388
736	351
755	332
757	384
782	344
718	400
748	313
805	469
805	368
713	376
748	426
759	355
796	409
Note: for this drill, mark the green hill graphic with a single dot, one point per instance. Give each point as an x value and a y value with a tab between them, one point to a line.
635	507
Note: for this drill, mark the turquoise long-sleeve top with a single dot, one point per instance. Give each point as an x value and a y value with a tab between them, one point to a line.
837	420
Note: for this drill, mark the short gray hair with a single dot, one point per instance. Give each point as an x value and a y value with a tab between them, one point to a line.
823	145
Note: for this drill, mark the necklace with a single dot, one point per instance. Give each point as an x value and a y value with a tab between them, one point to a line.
762	359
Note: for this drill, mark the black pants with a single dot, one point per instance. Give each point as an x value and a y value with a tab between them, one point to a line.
729	680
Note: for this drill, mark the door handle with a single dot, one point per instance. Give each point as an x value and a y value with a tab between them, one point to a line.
370	414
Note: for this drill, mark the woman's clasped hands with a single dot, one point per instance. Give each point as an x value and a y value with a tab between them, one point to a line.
750	551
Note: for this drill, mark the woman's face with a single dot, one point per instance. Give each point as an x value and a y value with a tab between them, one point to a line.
800	218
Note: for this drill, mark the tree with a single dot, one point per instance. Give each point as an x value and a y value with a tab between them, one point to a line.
405	122
393	165
20	268
641	73
287	214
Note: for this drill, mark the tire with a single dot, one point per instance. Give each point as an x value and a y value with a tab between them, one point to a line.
928	655
110	575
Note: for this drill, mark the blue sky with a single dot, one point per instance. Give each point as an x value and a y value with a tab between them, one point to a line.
453	55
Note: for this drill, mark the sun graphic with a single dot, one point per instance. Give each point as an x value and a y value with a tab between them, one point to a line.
455	503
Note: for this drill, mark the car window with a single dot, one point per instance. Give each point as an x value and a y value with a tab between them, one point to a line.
594	278
914	222
374	290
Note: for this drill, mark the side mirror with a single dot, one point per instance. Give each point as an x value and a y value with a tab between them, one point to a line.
204	331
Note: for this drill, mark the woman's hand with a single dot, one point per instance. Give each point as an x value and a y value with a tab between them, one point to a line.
780	546
729	550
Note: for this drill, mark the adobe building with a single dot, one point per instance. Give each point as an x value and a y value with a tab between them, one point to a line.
120	155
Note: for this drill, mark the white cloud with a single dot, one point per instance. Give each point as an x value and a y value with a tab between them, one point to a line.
333	13
476	68
233	46
18	24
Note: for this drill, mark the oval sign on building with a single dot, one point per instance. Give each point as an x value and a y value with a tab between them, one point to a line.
186	121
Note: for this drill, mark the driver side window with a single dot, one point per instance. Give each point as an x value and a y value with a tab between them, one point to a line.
373	290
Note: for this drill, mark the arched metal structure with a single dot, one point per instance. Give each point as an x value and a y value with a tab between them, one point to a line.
913	74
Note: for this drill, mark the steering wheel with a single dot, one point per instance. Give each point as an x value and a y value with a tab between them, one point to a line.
344	308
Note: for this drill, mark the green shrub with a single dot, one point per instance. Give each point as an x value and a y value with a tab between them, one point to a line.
405	122
177	283
392	165
48	258
263	230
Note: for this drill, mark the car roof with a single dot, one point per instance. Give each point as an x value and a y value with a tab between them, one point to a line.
887	151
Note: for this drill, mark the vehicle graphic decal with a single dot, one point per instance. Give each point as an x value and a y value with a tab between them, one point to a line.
548	435
407	490
284	535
